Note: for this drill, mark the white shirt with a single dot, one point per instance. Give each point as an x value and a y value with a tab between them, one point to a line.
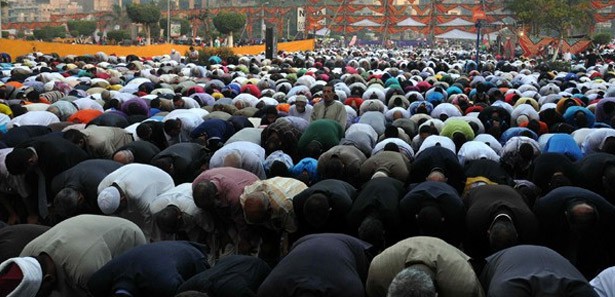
475	150
87	103
34	118
189	118
252	157
594	141
434	140
141	183
604	283
195	219
404	147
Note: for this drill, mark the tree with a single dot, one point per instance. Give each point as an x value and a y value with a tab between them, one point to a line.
117	36
82	28
49	33
554	17
145	14
228	23
602	38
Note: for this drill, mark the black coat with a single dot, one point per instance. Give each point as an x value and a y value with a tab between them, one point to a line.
527	270
340	195
232	276
445	198
595	249
591	169
187	160
326	264
158	137
380	195
143	151
55	154
545	165
483	204
154	270
438	157
14	238
17	135
85	177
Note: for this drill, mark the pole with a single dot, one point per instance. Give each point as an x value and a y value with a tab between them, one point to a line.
478	25
263	22
168	21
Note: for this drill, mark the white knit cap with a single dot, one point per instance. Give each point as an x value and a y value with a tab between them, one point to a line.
109	200
32	276
380	173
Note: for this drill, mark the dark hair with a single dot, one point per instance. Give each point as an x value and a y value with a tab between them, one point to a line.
391	132
459	139
534	125
278	168
17	109
17	161
155	103
204	193
144	131
164	162
316	209
391	147
66	202
429	220
526	151
75	136
502	235
33	96
609	145
558	180
168	219
371	230
313	149
333	168
171	124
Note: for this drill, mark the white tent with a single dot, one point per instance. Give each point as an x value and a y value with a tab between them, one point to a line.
409	22
456	22
458	34
323	32
365	23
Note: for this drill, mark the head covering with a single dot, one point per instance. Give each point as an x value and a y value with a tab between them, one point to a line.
109	200
301	98
30	282
380	173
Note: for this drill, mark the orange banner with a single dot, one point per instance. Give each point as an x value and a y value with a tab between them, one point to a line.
17	48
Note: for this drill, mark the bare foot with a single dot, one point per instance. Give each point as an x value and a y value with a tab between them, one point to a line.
13	219
33	219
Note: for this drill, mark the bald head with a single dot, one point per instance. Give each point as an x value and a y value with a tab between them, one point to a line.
437	176
124	157
232	160
582	214
256	208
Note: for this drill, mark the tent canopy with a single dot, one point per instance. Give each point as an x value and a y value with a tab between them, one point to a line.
365	23
323	32
409	22
458	34
456	22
